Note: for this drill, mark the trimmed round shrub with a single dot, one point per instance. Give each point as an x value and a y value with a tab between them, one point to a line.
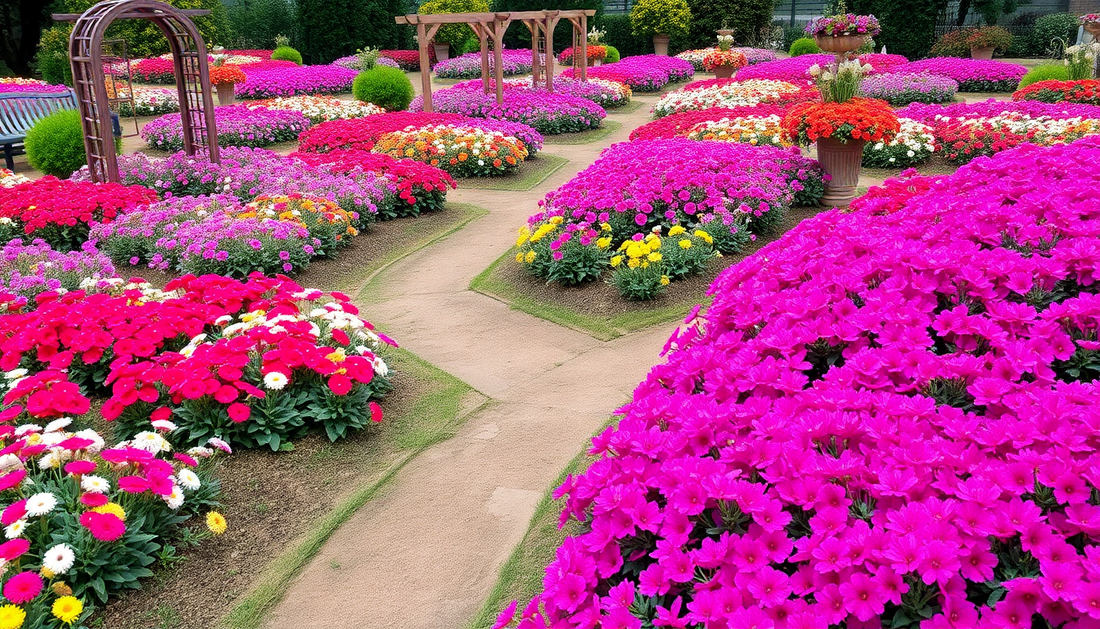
286	53
612	54
55	144
384	86
1045	72
803	46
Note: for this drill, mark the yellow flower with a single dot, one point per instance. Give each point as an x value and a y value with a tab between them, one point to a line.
654	257
519	257
112	507
603	243
605	227
633	263
60	588
216	523
524	234
337	356
67	609
616	261
704	235
676	230
634	250
530	257
664	280
12	617
685	244
556	220
46	572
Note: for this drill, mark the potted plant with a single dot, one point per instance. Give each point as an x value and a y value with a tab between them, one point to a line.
724	62
843	33
840	124
983	42
452	34
1091	22
224	78
660	19
597	52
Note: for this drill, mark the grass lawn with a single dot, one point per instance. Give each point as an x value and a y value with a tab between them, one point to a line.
606	128
533	172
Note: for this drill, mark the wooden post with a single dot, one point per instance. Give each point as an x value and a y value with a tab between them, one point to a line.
425	65
500	24
533	26
548	25
483	35
584	47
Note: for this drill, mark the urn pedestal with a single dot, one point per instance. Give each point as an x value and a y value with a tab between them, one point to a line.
841	161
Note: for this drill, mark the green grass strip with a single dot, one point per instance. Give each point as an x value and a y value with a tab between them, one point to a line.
490	284
629	108
606	128
433	418
533	172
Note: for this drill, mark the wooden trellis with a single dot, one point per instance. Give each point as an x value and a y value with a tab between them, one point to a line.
491	26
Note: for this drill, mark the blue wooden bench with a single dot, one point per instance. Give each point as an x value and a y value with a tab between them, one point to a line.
18	113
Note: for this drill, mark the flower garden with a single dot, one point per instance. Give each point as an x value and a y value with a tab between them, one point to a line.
837	248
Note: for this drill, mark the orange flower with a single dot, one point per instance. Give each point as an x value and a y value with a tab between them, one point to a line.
857	119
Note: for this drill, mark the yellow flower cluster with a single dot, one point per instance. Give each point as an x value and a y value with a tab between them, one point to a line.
461	151
300	211
755	130
638	253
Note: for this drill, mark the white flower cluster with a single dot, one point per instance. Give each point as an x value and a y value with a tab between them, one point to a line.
9	179
913	144
739	94
320	108
755	130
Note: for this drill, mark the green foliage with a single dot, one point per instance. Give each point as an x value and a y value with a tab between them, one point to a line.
620	35
908	28
55	144
746	17
1045	72
53	55
803	46
517	35
990	37
639	283
145	39
660	17
255	23
953	44
612	55
455	34
286	53
330	29
1053	32
384	86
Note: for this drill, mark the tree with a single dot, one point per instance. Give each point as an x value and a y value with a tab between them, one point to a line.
329	29
908	26
518	36
746	17
990	10
28	17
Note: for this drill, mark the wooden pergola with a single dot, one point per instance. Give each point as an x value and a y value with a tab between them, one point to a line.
493	25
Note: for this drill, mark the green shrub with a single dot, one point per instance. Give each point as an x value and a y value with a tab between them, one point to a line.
53	55
1045	72
993	37
55	144
660	17
455	34
745	17
286	53
1053	32
619	35
612	55
803	46
384	86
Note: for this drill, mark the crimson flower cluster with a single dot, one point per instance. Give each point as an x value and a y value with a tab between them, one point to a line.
362	133
678	124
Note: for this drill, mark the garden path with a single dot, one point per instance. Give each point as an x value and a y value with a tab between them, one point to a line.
427	552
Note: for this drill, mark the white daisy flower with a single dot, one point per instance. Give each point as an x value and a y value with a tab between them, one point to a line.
174	499
27	428
188	480
275	380
15	374
93	436
41	504
200	452
59	559
220	444
95	484
164	424
15	529
57	424
151	442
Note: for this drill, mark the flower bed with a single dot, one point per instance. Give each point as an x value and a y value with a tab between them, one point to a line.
408	60
151	101
363	133
593	52
468	66
973	75
60	212
238	125
643	73
914	144
420	187
606	94
16	84
796	69
295	81
864	119
153	70
901	89
734	94
1085	92
462	151
247	173
26	270
678	125
755	130
352	62
752	55
550	113
319	108
791	449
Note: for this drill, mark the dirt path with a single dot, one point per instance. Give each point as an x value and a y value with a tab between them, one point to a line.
427	552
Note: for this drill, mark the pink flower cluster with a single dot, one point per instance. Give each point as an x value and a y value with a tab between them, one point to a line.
973	75
295	81
643	73
550	113
886	418
928	114
796	69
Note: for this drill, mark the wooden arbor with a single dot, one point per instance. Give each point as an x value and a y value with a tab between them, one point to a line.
493	25
89	82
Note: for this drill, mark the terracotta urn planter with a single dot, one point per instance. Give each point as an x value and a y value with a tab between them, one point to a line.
596	63
660	45
442	52
726	31
840	45
225	94
841	161
985	53
724	72
1093	28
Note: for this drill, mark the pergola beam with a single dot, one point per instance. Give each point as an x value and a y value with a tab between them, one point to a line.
133	15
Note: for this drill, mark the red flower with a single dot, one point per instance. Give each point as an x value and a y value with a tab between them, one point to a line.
106	527
10	550
375	412
14	512
93	500
23	587
239	412
855	119
80	467
339	384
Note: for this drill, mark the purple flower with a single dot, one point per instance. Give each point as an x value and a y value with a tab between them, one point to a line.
238	125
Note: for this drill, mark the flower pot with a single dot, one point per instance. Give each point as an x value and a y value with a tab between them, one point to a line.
726	31
442	52
660	45
1093	28
840	45
724	72
985	53
596	63
841	162
225	93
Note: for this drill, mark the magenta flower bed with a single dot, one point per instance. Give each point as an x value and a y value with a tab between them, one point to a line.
237	125
35	88
468	66
992	107
973	75
886	416
638	185
550	113
295	81
643	73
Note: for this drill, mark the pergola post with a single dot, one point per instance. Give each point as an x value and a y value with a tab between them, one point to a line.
548	25
536	63
584	47
500	25
483	37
